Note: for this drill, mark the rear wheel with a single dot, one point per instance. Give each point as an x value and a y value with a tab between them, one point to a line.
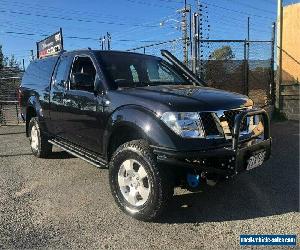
39	144
140	187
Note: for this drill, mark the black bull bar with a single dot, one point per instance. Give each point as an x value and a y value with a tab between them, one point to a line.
241	150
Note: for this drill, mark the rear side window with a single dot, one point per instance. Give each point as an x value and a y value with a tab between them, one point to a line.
39	72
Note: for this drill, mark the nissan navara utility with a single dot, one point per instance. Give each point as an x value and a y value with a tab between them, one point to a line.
151	121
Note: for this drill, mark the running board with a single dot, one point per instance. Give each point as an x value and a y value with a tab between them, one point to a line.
80	153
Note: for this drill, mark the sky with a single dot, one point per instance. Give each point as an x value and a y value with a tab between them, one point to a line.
131	23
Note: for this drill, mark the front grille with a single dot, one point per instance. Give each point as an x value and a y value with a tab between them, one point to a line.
230	118
210	124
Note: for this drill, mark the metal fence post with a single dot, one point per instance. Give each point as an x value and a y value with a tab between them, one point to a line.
1	118
245	68
17	112
272	84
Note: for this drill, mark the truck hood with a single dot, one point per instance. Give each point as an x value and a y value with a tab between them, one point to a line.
186	98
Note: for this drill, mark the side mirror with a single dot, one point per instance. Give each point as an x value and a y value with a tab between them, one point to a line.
82	81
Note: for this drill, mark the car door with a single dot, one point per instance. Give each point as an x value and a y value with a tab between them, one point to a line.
83	119
58	86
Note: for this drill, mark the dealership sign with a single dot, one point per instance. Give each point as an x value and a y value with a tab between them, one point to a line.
50	46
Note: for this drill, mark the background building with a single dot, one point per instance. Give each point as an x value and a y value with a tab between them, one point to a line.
289	89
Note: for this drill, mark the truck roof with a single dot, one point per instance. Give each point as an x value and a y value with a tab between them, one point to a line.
93	51
104	51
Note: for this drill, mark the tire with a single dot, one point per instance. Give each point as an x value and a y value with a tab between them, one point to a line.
147	193
39	144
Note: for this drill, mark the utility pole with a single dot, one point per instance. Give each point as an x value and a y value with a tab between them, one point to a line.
248	29
195	47
185	38
32	55
108	40
105	42
279	52
247	57
101	42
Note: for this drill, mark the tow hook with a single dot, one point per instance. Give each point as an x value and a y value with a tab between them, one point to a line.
197	181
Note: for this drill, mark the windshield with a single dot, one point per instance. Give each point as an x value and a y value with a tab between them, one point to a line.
134	70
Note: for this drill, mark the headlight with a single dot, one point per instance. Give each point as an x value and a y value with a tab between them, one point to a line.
185	124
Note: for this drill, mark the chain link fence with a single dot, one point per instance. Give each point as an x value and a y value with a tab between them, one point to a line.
9	82
244	67
174	46
240	66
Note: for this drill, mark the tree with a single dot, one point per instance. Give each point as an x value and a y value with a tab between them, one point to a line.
8	61
223	53
216	68
1	58
12	62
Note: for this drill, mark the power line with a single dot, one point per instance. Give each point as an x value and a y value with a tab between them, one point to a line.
135	29
132	29
41	32
40	8
77	37
244	25
149	4
223	8
237	11
229	19
139	26
252	7
119	34
72	19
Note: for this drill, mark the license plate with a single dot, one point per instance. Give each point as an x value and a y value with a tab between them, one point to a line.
256	160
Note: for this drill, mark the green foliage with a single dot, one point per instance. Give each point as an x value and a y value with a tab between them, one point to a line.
223	53
12	62
1	58
8	61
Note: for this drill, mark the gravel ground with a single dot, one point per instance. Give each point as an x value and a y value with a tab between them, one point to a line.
64	202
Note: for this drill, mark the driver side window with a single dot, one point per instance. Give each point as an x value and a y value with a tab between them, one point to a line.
83	74
159	73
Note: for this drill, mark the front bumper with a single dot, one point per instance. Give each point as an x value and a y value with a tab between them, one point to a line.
227	161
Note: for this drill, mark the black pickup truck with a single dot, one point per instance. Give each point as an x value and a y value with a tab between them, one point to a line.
151	121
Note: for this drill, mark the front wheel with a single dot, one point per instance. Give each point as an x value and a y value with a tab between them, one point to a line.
140	187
